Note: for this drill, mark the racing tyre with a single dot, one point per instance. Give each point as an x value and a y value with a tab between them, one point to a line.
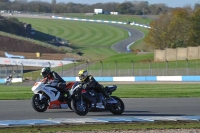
117	108
78	108
39	105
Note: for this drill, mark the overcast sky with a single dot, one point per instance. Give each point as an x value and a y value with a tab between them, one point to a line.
170	3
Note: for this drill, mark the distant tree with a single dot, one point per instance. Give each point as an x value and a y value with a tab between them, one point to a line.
194	34
53	2
4	0
197	5
158	33
125	8
21	1
170	30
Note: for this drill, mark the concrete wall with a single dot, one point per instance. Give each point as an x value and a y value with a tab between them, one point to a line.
159	55
181	53
170	54
193	52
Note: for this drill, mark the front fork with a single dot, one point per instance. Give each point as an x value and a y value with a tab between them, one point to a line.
43	99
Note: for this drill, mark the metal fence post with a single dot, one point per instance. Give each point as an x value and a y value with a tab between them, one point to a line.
17	70
6	70
132	66
101	68
22	71
62	68
149	67
87	63
115	68
187	65
74	69
166	67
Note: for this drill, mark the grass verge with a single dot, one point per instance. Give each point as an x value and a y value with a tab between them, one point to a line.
108	127
18	92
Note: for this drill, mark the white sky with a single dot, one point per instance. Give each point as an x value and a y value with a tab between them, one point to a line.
170	3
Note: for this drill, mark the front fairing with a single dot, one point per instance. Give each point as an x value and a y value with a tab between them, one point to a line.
51	92
75	88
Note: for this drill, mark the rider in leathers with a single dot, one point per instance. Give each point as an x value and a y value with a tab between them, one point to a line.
53	79
90	83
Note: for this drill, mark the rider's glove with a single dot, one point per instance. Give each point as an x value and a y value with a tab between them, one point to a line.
84	86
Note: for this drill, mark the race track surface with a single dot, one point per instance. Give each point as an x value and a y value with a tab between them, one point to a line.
22	109
121	47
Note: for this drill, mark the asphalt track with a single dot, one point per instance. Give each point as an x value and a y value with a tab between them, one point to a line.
22	109
134	35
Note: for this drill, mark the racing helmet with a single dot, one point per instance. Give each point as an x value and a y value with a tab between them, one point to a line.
45	71
82	75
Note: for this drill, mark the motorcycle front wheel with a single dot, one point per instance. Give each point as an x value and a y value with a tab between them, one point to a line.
117	108
80	108
39	105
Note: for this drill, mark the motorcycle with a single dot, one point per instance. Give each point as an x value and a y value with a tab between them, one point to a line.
8	81
47	97
81	104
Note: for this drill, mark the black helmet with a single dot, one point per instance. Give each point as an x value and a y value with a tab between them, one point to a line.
45	71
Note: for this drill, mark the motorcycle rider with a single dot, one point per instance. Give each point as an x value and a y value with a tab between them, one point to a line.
90	83
53	79
9	78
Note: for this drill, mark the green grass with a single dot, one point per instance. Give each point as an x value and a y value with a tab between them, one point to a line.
14	92
89	38
158	90
124	91
115	127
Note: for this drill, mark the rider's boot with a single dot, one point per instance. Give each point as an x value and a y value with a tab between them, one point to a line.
105	95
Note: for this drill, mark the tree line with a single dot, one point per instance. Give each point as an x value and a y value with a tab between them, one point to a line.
12	25
178	28
127	7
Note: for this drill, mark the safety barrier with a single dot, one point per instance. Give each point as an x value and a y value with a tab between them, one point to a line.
14	80
101	21
142	78
133	79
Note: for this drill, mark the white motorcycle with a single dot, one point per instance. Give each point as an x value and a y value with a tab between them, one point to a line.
46	96
8	81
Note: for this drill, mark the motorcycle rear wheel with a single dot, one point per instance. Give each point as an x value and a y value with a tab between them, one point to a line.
118	108
38	105
78	108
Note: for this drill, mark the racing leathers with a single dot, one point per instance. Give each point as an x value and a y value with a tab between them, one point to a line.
92	84
54	80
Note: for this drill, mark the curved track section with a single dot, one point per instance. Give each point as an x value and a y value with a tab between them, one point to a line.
134	35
